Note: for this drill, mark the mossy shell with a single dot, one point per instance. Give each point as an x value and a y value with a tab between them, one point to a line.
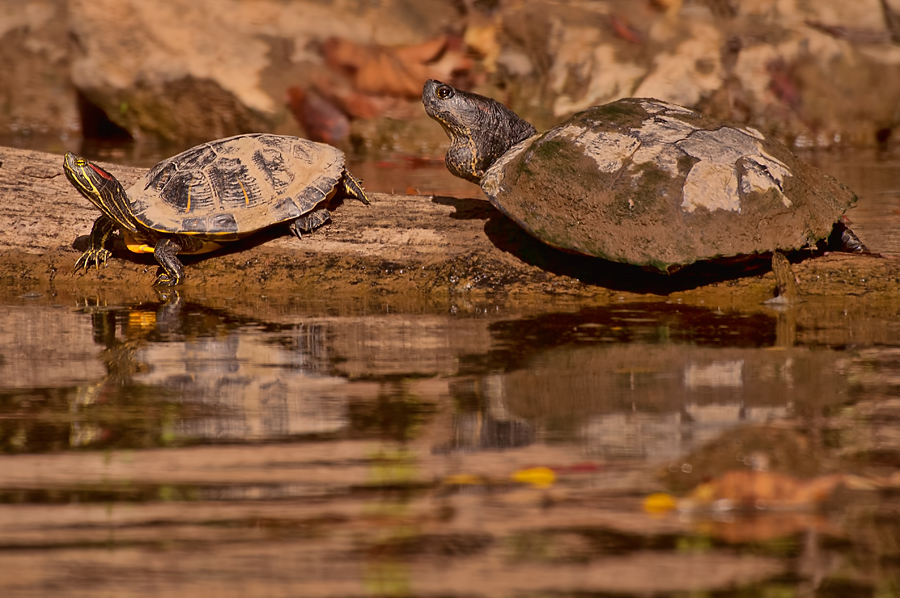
653	184
234	186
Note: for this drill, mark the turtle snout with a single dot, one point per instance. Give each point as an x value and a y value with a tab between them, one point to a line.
429	87
428	96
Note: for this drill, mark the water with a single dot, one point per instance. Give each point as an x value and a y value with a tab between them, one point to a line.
457	447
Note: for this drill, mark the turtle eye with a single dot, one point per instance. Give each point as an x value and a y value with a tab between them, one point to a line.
444	92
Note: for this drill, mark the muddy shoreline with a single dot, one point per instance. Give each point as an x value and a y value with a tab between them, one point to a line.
402	250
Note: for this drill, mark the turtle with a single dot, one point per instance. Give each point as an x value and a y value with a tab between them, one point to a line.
212	194
642	181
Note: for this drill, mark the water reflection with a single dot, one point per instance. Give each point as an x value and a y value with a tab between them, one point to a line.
648	381
641	380
376	449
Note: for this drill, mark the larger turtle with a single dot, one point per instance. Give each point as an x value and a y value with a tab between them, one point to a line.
641	181
212	194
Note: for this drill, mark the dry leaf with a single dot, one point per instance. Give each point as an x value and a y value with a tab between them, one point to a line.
623	29
764	489
420	53
321	120
385	74
394	71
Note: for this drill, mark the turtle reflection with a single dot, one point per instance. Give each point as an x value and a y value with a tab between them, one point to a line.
269	384
648	381
175	373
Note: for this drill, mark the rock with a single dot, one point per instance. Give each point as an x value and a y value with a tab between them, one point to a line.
198	69
186	71
181	70
37	94
763	63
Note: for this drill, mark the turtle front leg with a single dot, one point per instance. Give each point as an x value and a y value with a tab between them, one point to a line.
165	252
97	252
310	222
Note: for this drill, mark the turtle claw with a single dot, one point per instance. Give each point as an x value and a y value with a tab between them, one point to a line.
96	255
164	280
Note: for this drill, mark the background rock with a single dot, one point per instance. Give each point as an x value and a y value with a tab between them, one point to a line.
36	92
815	73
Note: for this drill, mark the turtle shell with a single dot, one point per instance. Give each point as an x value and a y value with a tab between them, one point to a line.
234	186
650	183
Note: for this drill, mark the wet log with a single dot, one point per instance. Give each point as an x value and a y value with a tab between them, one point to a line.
400	246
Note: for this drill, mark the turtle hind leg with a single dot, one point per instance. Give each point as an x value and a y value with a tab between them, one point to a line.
844	239
309	222
353	187
165	252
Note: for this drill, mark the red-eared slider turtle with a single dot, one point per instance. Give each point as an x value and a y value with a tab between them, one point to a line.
211	194
641	181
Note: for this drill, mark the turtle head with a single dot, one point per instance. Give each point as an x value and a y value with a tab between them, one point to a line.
480	129
100	188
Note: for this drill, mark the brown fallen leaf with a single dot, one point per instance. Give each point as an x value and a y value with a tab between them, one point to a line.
361	105
765	489
385	74
423	53
397	71
783	83
343	55
321	120
339	92
624	30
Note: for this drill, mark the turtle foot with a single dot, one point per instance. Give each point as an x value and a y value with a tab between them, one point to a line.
97	256
310	222
165	280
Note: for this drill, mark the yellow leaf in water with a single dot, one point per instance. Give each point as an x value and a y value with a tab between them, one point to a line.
660	503
537	476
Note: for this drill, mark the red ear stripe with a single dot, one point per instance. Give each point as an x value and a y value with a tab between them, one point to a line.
101	172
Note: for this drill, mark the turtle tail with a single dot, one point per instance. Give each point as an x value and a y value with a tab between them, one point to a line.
353	187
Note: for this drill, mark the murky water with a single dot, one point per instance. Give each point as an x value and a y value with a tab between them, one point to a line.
456	448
